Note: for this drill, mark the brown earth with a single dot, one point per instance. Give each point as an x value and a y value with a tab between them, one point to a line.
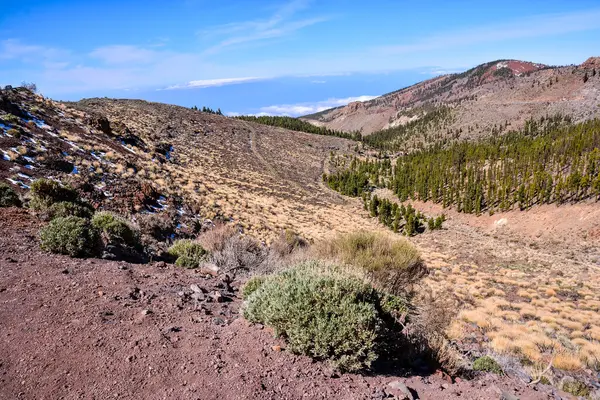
95	329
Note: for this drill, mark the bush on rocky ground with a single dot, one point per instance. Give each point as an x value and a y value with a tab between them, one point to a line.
487	364
322	312
8	196
50	199
67	209
389	263
115	229
50	192
574	387
156	226
187	253
252	285
72	236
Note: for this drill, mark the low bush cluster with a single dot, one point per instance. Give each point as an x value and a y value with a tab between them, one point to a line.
74	228
187	253
73	236
487	364
50	199
67	209
8	196
115	229
45	192
321	312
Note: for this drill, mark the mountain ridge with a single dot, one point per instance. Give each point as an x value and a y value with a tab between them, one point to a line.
489	94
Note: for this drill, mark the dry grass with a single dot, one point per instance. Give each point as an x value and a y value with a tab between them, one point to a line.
392	263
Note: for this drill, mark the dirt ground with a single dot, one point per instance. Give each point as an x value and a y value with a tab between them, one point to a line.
96	329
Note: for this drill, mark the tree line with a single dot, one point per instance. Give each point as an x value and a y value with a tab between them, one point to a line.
208	110
296	124
550	161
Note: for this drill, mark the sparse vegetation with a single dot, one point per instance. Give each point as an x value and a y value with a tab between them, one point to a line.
73	236
322	313
487	364
8	196
188	254
115	229
391	264
45	192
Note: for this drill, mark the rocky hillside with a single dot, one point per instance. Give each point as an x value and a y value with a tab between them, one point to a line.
500	94
136	157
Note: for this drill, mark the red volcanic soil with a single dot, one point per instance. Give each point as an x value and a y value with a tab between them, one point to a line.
96	329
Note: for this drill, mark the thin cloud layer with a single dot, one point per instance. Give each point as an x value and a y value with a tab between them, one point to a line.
296	110
205	83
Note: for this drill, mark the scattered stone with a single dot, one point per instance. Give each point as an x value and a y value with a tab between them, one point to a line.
406	392
379	394
198	296
218	321
218	297
276	348
146	312
195	288
209	269
507	396
160	264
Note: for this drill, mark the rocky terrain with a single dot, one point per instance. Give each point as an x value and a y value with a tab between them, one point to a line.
491	95
139	157
100	329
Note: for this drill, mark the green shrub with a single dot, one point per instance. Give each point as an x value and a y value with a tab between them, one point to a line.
73	236
189	254
487	364
8	196
575	387
45	192
11	119
252	286
67	209
391	264
323	313
115	229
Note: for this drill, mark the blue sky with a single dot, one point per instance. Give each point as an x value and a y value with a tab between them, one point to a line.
276	56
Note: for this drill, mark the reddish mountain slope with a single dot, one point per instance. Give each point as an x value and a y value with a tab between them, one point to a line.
496	93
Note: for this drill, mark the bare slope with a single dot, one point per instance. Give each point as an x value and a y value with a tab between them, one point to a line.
492	94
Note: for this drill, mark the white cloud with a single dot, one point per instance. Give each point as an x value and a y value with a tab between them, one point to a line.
296	110
281	23
205	83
